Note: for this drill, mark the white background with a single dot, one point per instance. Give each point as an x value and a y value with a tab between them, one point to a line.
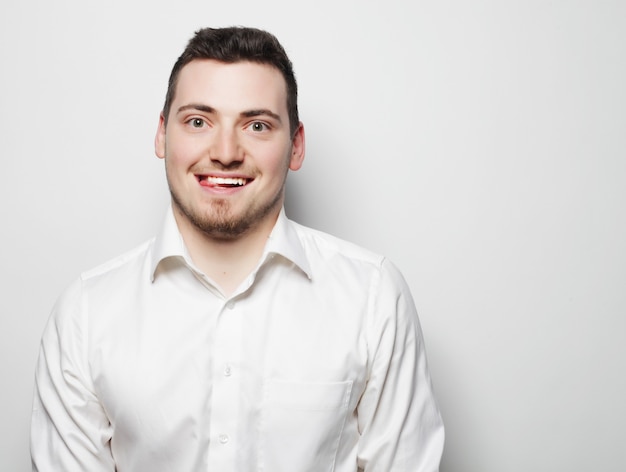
479	144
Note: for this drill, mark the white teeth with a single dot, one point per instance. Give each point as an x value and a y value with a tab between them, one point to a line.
226	181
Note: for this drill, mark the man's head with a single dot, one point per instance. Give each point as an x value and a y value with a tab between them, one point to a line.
229	133
237	44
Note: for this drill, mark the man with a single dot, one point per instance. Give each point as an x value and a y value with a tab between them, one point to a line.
236	339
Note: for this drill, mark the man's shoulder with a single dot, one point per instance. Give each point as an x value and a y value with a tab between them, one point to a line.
349	265
328	245
98	284
130	260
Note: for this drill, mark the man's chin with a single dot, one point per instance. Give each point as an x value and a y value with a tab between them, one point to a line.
220	221
224	230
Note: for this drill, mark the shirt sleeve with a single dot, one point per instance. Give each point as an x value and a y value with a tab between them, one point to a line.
69	427
399	421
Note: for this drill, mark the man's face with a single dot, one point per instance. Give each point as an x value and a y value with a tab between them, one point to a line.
227	146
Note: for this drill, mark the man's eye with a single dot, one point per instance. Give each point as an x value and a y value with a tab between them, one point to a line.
258	126
197	122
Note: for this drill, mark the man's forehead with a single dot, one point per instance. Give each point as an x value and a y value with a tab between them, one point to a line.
246	81
208	69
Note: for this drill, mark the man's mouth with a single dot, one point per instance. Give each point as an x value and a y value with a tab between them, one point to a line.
226	182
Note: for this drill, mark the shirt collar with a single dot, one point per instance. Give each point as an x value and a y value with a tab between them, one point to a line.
283	241
168	243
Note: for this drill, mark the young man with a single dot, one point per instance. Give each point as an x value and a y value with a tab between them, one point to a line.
236	339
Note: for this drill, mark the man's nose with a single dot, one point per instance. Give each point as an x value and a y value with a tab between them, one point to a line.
225	147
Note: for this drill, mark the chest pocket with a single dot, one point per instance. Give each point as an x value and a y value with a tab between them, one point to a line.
301	424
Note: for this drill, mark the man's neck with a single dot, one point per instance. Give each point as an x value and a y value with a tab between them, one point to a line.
225	261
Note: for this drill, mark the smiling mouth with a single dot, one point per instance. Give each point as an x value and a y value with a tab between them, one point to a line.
225	182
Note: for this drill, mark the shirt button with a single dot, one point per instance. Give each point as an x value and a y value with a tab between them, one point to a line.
224	438
230	305
227	371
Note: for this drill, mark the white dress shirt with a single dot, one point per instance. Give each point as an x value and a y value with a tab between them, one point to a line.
315	363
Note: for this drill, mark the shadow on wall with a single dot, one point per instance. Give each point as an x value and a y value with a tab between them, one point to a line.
295	201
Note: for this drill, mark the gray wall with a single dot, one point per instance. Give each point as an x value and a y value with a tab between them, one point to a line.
480	145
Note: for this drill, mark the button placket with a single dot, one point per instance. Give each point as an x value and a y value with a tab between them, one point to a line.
226	387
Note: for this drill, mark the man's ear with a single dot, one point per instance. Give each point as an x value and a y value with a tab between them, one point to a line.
159	139
297	148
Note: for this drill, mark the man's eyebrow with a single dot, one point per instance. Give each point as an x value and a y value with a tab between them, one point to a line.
261	112
246	114
198	107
